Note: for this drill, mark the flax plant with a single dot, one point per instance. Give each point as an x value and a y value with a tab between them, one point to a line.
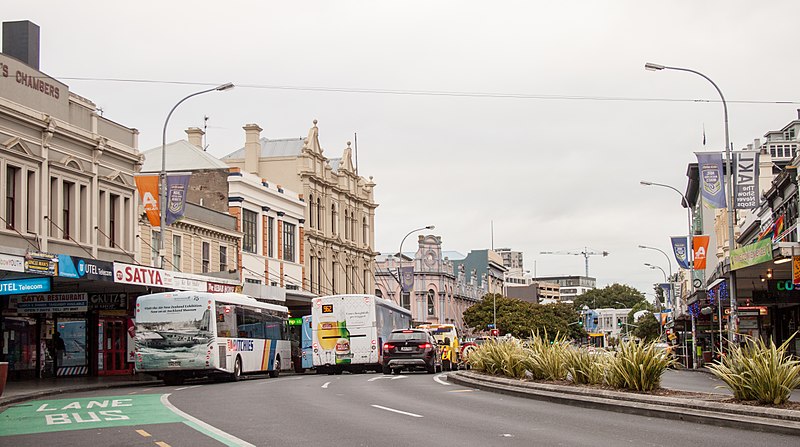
760	372
637	366
585	368
509	358
547	358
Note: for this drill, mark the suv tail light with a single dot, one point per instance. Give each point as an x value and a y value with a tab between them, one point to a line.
387	346
425	345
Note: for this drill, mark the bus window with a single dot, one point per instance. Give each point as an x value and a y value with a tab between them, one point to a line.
226	320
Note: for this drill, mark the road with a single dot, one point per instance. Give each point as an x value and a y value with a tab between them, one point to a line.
363	409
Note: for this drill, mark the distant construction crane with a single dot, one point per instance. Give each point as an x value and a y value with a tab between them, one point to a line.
585	253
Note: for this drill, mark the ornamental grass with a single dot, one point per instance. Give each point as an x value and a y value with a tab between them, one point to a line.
547	358
637	366
584	367
509	358
760	372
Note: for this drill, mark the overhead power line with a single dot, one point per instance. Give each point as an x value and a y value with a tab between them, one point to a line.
444	93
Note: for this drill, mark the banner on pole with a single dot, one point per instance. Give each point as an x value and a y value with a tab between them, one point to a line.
177	187
746	169
406	279
681	249
795	269
148	192
709	165
700	246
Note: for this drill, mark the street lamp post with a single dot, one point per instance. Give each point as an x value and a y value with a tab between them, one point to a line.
400	263
162	206
671	295
689	256
733	320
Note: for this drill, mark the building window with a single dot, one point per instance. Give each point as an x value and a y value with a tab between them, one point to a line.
66	209
270	233
334	228
319	214
366	280
311	273
311	210
12	177
223	258
333	277
113	220
206	256
431	303
288	242
176	252
249	225
405	300
319	274
155	244
31	202
364	239
346	225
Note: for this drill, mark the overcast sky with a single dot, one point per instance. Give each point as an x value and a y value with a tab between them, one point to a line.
556	170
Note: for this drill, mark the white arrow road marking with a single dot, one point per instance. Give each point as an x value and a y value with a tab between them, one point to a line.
378	377
398	411
399	377
439	380
325	385
203	427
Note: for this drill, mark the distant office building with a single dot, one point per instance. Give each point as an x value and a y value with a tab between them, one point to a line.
512	260
570	286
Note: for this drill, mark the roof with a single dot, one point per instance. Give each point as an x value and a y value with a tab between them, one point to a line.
181	156
282	147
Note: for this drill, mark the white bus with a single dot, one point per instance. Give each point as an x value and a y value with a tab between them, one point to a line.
193	334
349	330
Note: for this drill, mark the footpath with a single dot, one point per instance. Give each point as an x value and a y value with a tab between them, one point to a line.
35	389
705	408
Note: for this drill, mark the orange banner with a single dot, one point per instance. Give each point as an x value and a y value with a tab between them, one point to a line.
796	269
700	247
148	191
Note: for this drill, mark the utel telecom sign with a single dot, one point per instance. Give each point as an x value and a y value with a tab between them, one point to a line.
24	286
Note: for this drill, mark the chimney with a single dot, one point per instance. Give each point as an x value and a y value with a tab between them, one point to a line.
195	136
252	147
21	41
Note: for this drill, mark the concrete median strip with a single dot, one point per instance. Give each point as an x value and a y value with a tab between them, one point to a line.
710	411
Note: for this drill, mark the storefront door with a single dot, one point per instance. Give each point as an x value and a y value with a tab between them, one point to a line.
112	346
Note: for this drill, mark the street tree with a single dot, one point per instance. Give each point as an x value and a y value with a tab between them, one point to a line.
521	319
609	296
647	327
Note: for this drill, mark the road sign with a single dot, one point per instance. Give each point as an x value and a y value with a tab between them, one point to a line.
43	416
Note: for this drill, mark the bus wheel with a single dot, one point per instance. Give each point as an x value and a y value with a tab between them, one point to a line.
276	369
237	369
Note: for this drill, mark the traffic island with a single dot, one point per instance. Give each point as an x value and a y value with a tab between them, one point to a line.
700	407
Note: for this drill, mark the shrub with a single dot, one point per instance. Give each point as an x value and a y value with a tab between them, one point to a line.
547	358
637	366
509	358
759	372
584	367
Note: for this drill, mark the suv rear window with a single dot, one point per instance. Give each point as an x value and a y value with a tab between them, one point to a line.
403	336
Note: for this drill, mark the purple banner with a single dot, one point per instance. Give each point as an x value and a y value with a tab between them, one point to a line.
709	165
177	187
681	249
406	279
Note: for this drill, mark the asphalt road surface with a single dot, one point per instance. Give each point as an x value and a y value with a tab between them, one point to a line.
412	409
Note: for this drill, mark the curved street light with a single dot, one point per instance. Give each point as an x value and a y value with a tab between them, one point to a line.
162	206
400	255
670	297
733	318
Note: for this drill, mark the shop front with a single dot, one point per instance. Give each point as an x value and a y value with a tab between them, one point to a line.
775	313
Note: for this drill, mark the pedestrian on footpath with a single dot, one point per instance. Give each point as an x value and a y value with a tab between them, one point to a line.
59	347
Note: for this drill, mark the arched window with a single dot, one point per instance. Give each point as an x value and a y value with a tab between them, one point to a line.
311	210
346	225
431	302
319	214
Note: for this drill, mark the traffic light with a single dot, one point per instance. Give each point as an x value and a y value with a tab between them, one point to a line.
580	322
495	332
619	322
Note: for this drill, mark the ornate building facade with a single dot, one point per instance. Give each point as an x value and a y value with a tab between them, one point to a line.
339	230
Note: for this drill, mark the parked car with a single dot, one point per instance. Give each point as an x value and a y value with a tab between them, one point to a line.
411	349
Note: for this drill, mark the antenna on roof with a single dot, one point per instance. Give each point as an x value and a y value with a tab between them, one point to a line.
355	140
205	132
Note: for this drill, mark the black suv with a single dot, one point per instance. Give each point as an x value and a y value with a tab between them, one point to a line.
410	349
